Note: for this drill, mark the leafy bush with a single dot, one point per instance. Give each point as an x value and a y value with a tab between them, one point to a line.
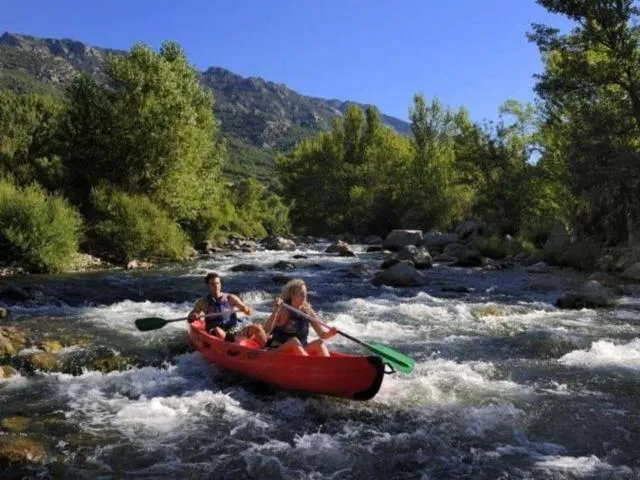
132	226
39	230
581	255
501	247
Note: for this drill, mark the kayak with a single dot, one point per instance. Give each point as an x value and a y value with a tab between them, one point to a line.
357	377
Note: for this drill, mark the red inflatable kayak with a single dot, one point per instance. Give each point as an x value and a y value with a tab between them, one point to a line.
340	375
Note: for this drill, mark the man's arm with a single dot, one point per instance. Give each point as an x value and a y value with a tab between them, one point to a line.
237	303
200	306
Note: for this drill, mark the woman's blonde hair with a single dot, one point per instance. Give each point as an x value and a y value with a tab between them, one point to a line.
290	288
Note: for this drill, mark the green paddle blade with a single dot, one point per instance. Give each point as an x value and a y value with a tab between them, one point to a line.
394	358
150	323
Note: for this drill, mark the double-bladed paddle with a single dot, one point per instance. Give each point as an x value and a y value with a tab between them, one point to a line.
154	323
394	358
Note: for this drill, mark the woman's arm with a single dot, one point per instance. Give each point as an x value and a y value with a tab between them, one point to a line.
274	319
322	331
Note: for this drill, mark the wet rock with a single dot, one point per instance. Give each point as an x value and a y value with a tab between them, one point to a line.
545	344
139	264
372	240
436	240
12	340
590	295
471	258
280	279
400	275
376	248
468	228
3	313
606	263
390	262
6	348
284	265
19	449
418	255
341	248
300	256
488	310
633	272
539	267
316	266
604	278
42	361
205	247
15	424
278	243
246	267
7	371
396	239
14	294
455	250
50	346
444	259
458	289
112	363
359	270
82	262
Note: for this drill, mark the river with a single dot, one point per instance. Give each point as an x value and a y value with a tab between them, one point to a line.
505	385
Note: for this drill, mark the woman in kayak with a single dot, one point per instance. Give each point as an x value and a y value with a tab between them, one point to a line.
289	330
227	326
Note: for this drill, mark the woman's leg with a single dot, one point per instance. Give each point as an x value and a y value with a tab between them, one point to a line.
253	332
318	347
218	332
292	345
257	331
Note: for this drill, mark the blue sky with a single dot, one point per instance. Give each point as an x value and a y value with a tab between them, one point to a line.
464	52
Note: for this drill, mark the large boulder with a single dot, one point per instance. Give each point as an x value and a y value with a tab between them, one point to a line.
342	248
396	239
418	256
400	275
372	240
246	267
591	294
468	229
12	341
632	272
436	240
278	243
19	449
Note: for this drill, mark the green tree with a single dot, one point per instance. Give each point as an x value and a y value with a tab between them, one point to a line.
591	93
28	126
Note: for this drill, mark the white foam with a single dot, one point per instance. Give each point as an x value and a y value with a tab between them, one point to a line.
148	401
444	382
605	353
579	465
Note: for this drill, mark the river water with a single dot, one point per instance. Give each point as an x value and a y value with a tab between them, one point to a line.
505	384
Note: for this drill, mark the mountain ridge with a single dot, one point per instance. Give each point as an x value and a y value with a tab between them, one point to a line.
260	118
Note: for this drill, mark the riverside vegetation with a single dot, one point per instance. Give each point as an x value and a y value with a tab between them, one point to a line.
129	163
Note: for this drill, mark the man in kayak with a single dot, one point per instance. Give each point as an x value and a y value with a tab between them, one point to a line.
227	326
289	330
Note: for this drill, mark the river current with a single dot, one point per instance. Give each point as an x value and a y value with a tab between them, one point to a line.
505	386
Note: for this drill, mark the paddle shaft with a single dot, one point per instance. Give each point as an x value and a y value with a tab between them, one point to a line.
395	359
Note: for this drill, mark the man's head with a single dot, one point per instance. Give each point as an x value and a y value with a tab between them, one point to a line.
214	282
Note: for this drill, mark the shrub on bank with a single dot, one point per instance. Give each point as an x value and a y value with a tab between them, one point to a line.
500	247
132	226
38	230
